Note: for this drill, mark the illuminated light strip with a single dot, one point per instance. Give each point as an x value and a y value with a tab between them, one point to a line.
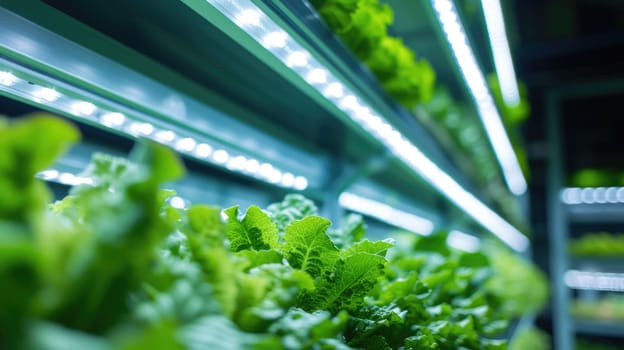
463	241
80	109
592	195
64	178
495	22
455	34
386	213
265	31
613	282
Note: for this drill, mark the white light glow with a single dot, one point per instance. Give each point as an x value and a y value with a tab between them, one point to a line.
613	282
275	176
288	180
186	144
485	104
317	76
275	39
177	202
301	183
253	166
463	241
495	23
297	59
265	170
82	108
46	94
165	136
592	195
7	78
137	128
334	90
113	119
392	139
237	163
249	17
386	213
203	150
50	174
221	156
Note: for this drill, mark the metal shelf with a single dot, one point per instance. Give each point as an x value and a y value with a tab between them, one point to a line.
595	213
598	327
602	264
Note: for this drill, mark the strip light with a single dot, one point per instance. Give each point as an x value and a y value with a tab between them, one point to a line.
386	213
64	178
455	34
265	31
463	241
495	23
613	282
130	125
592	195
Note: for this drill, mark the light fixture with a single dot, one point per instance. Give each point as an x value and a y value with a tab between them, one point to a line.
386	213
365	116
474	79
588	280
75	103
177	202
495	23
592	195
463	241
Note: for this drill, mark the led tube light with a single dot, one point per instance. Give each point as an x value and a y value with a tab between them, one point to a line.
456	36
247	16
463	241
16	84
386	213
586	280
495	23
592	195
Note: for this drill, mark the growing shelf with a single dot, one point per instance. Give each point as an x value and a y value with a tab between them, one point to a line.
174	88
596	327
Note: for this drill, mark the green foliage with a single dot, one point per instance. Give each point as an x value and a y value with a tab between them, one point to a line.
607	308
603	244
530	338
362	26
113	266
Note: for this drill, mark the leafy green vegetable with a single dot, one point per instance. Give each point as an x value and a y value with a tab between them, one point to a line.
114	266
598	244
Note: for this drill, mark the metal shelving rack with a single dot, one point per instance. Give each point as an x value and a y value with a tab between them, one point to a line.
562	213
163	89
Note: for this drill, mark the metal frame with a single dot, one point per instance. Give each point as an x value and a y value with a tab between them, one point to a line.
560	215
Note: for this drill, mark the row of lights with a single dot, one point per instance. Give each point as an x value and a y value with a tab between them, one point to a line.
121	122
592	195
265	31
64	178
587	280
401	219
456	36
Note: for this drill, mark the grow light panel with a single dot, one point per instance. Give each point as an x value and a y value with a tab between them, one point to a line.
613	282
592	195
495	23
386	213
474	79
463	241
18	84
247	16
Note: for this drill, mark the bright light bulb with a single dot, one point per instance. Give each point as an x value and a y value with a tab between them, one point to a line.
177	202
7	78
221	156
253	166
83	108
266	170
248	17
165	136
275	39
275	176
297	59
288	180
67	178
50	174
317	76
334	90
186	144
237	163
301	183
113	119
47	94
203	150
